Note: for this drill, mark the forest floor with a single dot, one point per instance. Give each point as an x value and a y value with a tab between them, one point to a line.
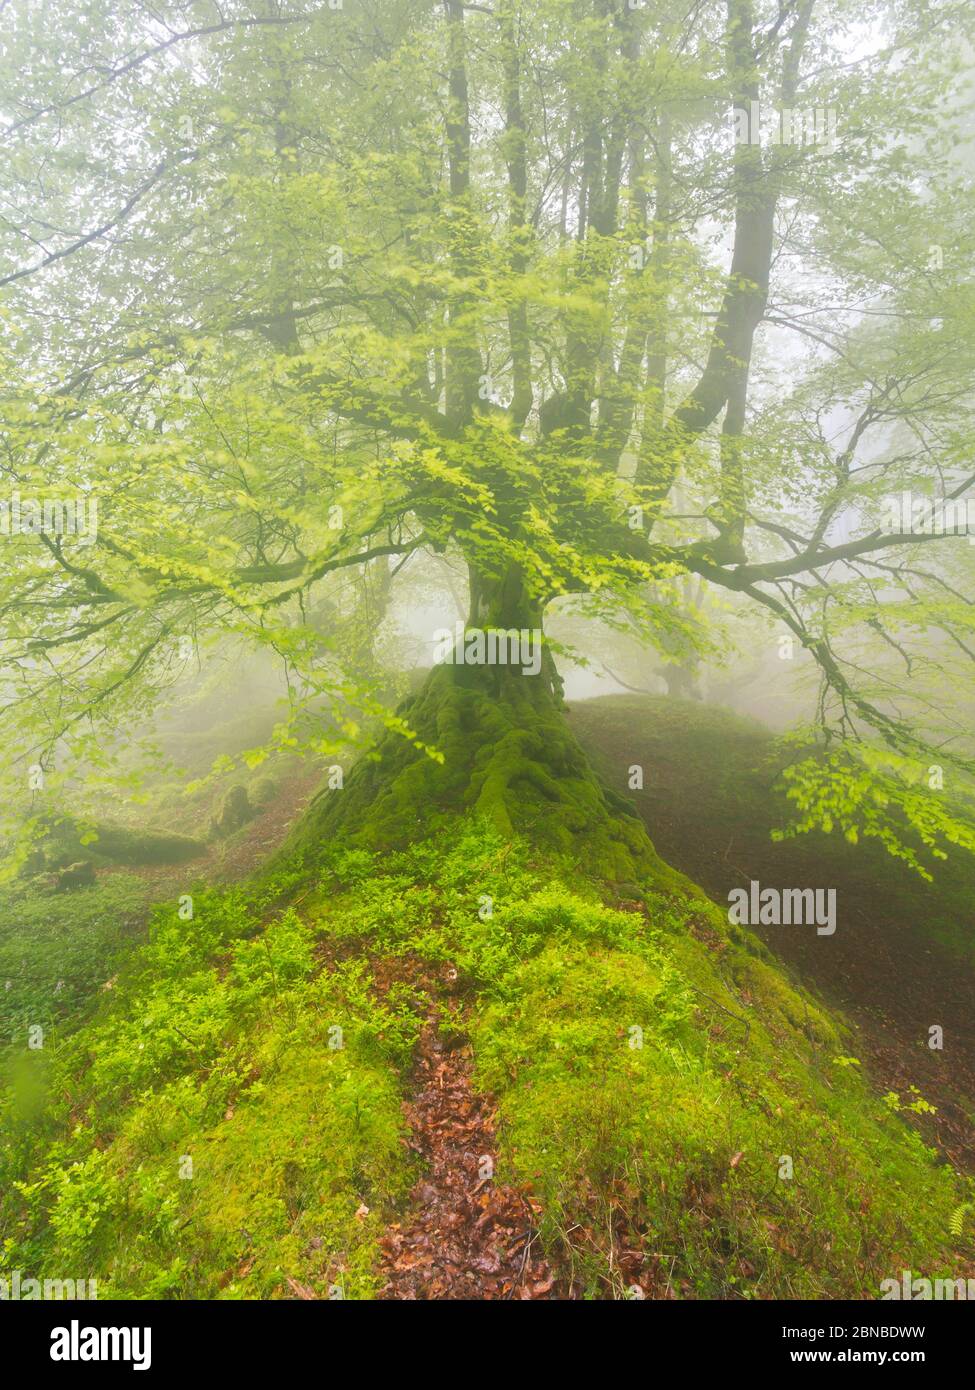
563	1099
238	856
709	807
458	1240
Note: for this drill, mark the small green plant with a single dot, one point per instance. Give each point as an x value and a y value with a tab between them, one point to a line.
956	1224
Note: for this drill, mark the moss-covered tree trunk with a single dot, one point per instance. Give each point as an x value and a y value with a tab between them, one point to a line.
490	739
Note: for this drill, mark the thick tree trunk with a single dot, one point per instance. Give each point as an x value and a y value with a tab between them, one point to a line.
502	601
504	604
494	742
681	682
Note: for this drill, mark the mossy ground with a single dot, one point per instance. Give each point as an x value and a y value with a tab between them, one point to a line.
204	1135
712	796
504	752
68	840
56	950
652	1067
225	1121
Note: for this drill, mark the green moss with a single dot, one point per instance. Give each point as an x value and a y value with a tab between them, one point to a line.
234	812
57	951
67	840
653	1067
648	1097
277	1183
795	1008
264	790
496	743
231	1121
650	1083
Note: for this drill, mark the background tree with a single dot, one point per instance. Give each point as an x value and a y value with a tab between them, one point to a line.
297	289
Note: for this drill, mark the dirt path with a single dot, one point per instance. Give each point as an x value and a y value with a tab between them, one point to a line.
707	806
467	1237
251	847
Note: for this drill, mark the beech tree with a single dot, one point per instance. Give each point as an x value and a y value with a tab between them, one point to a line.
299	290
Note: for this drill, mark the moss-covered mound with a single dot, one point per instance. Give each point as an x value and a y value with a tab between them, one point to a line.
495	743
226	1120
228	1124
66	840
